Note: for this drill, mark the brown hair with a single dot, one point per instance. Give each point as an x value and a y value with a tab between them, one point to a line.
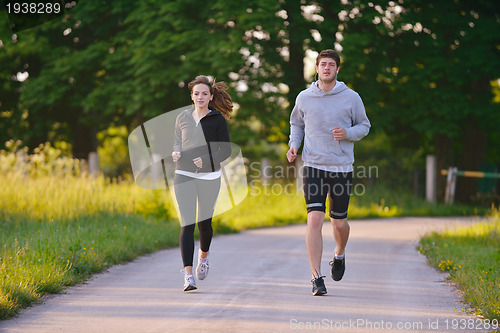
222	100
328	54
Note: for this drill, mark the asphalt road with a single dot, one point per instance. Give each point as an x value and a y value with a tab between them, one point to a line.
259	281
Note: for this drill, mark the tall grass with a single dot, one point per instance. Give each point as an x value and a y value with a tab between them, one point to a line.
280	204
58	224
472	257
45	186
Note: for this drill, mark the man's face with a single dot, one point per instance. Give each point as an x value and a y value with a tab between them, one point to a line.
327	70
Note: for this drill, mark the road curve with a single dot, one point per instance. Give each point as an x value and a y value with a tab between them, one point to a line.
259	281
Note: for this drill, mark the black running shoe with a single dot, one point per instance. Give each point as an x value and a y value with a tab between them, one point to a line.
338	268
318	286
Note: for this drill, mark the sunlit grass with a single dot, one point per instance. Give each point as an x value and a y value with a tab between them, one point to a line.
59	225
55	231
45	256
281	204
472	256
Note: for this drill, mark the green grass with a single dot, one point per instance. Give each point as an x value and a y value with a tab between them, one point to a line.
58	225
38	257
380	201
281	204
472	257
56	231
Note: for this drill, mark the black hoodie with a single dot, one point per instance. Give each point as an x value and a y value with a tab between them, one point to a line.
213	146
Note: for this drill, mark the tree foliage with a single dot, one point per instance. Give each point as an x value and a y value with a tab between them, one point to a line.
424	69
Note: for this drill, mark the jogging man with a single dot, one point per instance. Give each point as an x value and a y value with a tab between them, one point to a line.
330	117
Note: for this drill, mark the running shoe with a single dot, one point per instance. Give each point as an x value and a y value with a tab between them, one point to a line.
318	286
338	268
202	269
189	283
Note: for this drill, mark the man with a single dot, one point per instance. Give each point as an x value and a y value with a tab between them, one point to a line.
330	117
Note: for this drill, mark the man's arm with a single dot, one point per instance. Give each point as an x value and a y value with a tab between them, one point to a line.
296	132
361	124
296	126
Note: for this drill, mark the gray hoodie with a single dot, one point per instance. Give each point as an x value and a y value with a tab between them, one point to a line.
316	113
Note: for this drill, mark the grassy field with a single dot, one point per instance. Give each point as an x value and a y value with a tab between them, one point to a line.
55	231
273	206
58	225
472	257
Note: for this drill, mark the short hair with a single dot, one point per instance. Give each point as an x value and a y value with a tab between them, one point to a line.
328	54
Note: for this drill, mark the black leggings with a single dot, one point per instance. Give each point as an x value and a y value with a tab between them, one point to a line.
190	193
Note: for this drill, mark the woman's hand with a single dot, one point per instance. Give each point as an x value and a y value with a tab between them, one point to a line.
197	161
176	155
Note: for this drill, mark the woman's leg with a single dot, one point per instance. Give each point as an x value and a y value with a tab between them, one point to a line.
186	242
185	193
206	234
208	191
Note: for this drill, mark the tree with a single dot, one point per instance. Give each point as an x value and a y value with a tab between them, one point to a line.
271	38
63	59
429	68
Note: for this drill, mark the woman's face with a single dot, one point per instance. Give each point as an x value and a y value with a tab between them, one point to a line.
201	95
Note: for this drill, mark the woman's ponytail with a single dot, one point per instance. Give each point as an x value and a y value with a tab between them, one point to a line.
222	100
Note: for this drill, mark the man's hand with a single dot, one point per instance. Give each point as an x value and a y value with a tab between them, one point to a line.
291	154
339	133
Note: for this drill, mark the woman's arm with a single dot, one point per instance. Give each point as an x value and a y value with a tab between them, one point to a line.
220	149
176	153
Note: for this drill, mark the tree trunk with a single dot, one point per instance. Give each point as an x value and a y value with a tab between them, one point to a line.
295	48
38	130
443	146
471	158
84	141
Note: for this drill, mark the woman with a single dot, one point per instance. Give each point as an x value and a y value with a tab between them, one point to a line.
201	143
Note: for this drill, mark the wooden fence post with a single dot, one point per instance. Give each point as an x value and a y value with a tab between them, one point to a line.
451	181
430	181
93	163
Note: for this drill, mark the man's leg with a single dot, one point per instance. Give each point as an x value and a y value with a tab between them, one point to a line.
341	230
314	240
339	203
315	196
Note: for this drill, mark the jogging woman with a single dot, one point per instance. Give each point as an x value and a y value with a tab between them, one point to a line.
201	143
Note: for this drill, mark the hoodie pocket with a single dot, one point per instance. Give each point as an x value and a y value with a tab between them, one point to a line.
321	147
328	151
345	147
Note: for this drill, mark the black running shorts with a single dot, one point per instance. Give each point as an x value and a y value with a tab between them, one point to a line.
319	183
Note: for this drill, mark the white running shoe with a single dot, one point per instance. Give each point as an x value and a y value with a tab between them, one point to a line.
202	269
189	283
